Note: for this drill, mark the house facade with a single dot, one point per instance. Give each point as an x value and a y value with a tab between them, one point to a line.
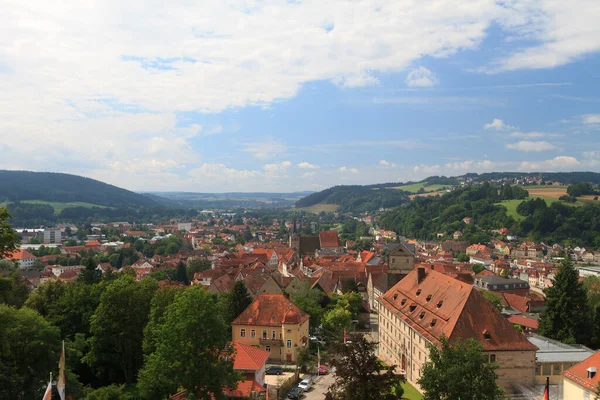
273	323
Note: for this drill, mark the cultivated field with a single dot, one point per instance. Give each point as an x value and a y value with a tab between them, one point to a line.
59	206
553	192
426	194
415	187
317	208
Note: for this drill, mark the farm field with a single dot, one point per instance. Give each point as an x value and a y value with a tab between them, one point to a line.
59	206
317	208
546	191
415	187
426	194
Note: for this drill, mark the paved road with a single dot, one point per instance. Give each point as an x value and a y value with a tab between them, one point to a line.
321	384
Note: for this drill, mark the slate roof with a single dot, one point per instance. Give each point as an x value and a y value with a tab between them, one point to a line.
441	305
268	310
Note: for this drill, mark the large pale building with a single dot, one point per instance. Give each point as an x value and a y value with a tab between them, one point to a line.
426	305
273	323
581	381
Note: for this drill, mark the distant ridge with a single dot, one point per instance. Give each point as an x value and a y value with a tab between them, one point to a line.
58	187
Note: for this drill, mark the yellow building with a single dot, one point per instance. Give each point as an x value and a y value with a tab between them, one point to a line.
273	323
581	380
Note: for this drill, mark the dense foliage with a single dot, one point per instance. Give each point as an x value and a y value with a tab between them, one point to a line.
356	198
8	237
49	186
459	371
581	189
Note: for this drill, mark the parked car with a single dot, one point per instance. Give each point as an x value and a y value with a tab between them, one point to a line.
274	370
322	369
305	384
295	393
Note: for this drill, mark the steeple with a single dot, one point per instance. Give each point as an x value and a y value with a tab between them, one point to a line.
294	229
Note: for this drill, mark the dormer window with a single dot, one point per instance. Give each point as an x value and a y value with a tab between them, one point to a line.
413	307
433	322
395	296
440	303
403	302
486	335
428	297
418	292
422	315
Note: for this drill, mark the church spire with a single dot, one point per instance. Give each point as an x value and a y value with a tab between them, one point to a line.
294	229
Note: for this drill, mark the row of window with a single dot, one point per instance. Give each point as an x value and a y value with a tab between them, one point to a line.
264	336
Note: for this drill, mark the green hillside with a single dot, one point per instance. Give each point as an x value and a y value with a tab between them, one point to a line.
65	188
59	206
415	187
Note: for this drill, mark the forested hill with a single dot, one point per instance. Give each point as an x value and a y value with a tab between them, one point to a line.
356	198
55	187
557	222
566	178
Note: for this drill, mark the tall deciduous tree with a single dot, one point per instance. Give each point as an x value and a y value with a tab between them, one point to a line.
9	239
459	371
162	299
567	315
238	300
28	352
192	350
360	375
308	300
335	321
13	290
117	330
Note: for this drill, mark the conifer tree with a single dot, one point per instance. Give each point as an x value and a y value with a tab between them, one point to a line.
566	316
238	300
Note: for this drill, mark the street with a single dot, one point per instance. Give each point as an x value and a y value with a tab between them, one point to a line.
320	386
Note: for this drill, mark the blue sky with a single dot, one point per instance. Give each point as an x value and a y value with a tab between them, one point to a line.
286	96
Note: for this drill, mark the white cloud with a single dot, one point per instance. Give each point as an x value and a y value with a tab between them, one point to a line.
307	165
265	150
386	164
346	169
277	170
591	119
426	169
559	163
420	77
529	146
533	135
498	125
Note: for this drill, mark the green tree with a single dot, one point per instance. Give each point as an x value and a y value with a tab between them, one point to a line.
336	321
13	290
477	268
112	392
493	298
360	375
463	258
117	329
192	352
237	300
9	239
308	300
459	371
28	352
162	299
197	265
566	316
181	275
90	274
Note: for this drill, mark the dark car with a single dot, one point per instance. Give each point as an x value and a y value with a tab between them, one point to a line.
274	370
295	393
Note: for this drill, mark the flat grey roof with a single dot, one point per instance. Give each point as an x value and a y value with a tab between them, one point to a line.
550	351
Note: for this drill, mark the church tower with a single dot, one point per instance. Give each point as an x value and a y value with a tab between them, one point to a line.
295	238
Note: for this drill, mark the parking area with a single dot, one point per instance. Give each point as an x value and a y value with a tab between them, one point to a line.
320	386
278	380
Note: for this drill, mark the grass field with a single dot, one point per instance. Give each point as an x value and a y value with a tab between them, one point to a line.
410	393
415	187
59	206
317	208
511	205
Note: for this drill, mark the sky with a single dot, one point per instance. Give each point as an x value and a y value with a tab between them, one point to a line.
273	95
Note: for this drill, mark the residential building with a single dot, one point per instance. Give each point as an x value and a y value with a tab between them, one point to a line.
426	305
581	380
273	323
52	235
401	262
24	258
494	283
251	362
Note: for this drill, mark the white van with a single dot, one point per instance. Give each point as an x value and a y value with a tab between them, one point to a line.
305	384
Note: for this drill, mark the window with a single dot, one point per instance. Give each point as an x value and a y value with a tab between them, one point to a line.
273	335
418	292
268	348
242	333
403	302
289	331
264	334
492	358
428	298
440	303
252	333
280	335
288	344
422	315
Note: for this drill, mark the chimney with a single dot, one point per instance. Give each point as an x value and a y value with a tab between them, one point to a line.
591	372
420	275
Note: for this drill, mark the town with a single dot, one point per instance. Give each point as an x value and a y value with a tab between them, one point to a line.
301	290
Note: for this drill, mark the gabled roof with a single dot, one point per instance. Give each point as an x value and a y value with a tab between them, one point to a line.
249	358
245	389
329	239
268	310
578	373
20	254
441	305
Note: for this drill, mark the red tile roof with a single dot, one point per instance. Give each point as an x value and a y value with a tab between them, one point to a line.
245	389
268	310
20	254
578	372
521	320
329	239
249	358
441	305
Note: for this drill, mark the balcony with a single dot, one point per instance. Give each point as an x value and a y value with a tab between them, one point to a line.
271	342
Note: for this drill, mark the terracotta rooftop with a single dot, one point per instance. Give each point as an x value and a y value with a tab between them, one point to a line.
329	239
20	254
268	310
249	358
578	373
245	389
441	305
